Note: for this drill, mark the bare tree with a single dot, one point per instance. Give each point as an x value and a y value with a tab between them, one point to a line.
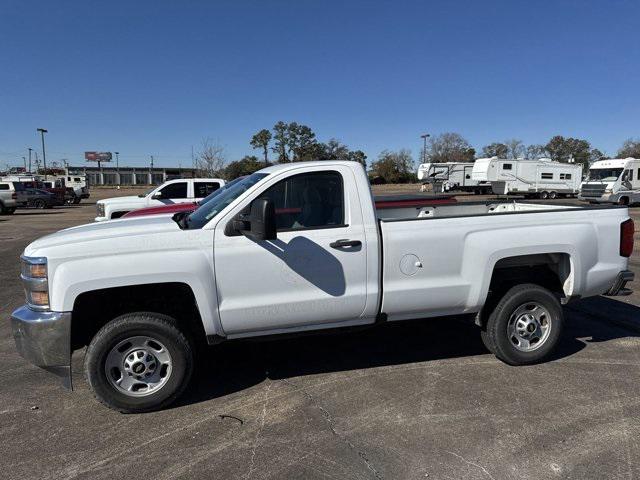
449	147
211	159
515	148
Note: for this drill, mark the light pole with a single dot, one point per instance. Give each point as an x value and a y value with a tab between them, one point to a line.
44	155
117	162
30	149
424	147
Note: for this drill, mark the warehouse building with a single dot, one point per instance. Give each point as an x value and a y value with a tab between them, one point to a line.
131	175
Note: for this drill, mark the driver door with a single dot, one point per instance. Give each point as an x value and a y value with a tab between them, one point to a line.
305	277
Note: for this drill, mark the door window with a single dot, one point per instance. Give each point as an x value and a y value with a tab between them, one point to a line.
546	176
202	189
506	166
174	190
308	200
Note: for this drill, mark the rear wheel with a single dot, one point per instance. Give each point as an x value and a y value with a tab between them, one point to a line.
525	325
139	362
623	201
553	195
39	203
76	200
544	195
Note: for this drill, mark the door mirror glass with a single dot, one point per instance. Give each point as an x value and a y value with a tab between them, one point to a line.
262	220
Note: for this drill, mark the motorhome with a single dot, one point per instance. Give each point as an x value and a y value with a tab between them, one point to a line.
612	181
449	176
542	178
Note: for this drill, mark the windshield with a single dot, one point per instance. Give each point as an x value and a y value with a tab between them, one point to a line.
213	195
211	208
604	174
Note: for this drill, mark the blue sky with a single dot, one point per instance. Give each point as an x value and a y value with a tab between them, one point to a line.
156	77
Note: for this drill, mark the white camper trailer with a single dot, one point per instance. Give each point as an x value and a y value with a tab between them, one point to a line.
542	178
450	176
612	181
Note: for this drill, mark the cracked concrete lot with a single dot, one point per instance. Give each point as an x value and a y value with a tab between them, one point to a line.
415	400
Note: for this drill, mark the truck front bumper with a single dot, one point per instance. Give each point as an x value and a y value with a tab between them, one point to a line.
44	339
618	286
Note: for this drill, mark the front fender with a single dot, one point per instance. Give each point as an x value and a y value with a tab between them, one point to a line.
193	268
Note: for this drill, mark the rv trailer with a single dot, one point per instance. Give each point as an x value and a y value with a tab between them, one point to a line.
542	178
451	176
612	181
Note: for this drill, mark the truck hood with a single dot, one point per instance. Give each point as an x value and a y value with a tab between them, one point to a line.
142	226
125	199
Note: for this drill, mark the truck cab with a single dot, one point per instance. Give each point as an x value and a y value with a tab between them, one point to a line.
612	181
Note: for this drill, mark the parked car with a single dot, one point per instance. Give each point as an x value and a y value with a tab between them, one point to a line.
9	197
384	202
36	198
299	247
186	190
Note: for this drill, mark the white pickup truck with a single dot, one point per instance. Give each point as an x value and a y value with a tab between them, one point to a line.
300	247
174	191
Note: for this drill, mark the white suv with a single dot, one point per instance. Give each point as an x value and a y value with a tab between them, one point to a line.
174	191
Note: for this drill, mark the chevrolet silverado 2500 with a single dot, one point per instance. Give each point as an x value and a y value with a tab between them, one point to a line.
300	247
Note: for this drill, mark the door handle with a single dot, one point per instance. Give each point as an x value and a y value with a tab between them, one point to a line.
345	243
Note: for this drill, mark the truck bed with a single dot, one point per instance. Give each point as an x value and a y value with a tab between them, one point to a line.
469	209
438	260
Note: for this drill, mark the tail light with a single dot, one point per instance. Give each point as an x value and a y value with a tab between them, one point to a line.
626	238
14	196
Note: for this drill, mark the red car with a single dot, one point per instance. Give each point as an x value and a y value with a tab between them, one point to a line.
383	202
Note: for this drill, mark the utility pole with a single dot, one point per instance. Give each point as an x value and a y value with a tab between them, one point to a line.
37	163
151	171
424	146
44	154
117	162
30	149
24	159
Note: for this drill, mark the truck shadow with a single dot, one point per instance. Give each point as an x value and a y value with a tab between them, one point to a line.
234	366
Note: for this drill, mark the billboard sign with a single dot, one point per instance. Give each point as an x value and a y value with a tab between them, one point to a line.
97	156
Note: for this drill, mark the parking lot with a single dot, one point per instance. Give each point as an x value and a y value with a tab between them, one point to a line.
416	399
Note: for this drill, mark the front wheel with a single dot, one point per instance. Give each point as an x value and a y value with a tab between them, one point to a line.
525	325
139	362
544	195
41	204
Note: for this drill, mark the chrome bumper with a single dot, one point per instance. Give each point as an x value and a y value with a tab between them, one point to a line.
44	339
618	287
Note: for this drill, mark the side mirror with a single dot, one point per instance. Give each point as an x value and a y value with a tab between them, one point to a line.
262	220
157	195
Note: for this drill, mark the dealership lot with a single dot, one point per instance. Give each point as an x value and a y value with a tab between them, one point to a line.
409	400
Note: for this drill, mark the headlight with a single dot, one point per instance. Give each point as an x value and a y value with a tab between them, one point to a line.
608	190
100	207
35	282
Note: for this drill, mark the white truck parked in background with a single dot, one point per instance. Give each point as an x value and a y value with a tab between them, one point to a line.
542	178
299	247
449	176
612	181
174	191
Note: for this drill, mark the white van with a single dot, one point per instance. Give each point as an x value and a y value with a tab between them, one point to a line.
612	181
542	178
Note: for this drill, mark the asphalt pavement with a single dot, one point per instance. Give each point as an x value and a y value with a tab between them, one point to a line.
418	399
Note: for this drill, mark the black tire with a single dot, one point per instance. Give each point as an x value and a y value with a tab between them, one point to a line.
544	195
10	211
497	327
160	328
76	200
487	341
553	195
624	201
38	203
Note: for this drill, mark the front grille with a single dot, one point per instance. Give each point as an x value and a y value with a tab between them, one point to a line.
593	190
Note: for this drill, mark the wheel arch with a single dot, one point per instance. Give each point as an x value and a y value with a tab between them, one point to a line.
94	308
555	271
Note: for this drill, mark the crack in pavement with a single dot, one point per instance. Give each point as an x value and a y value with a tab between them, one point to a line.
329	420
256	440
472	464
